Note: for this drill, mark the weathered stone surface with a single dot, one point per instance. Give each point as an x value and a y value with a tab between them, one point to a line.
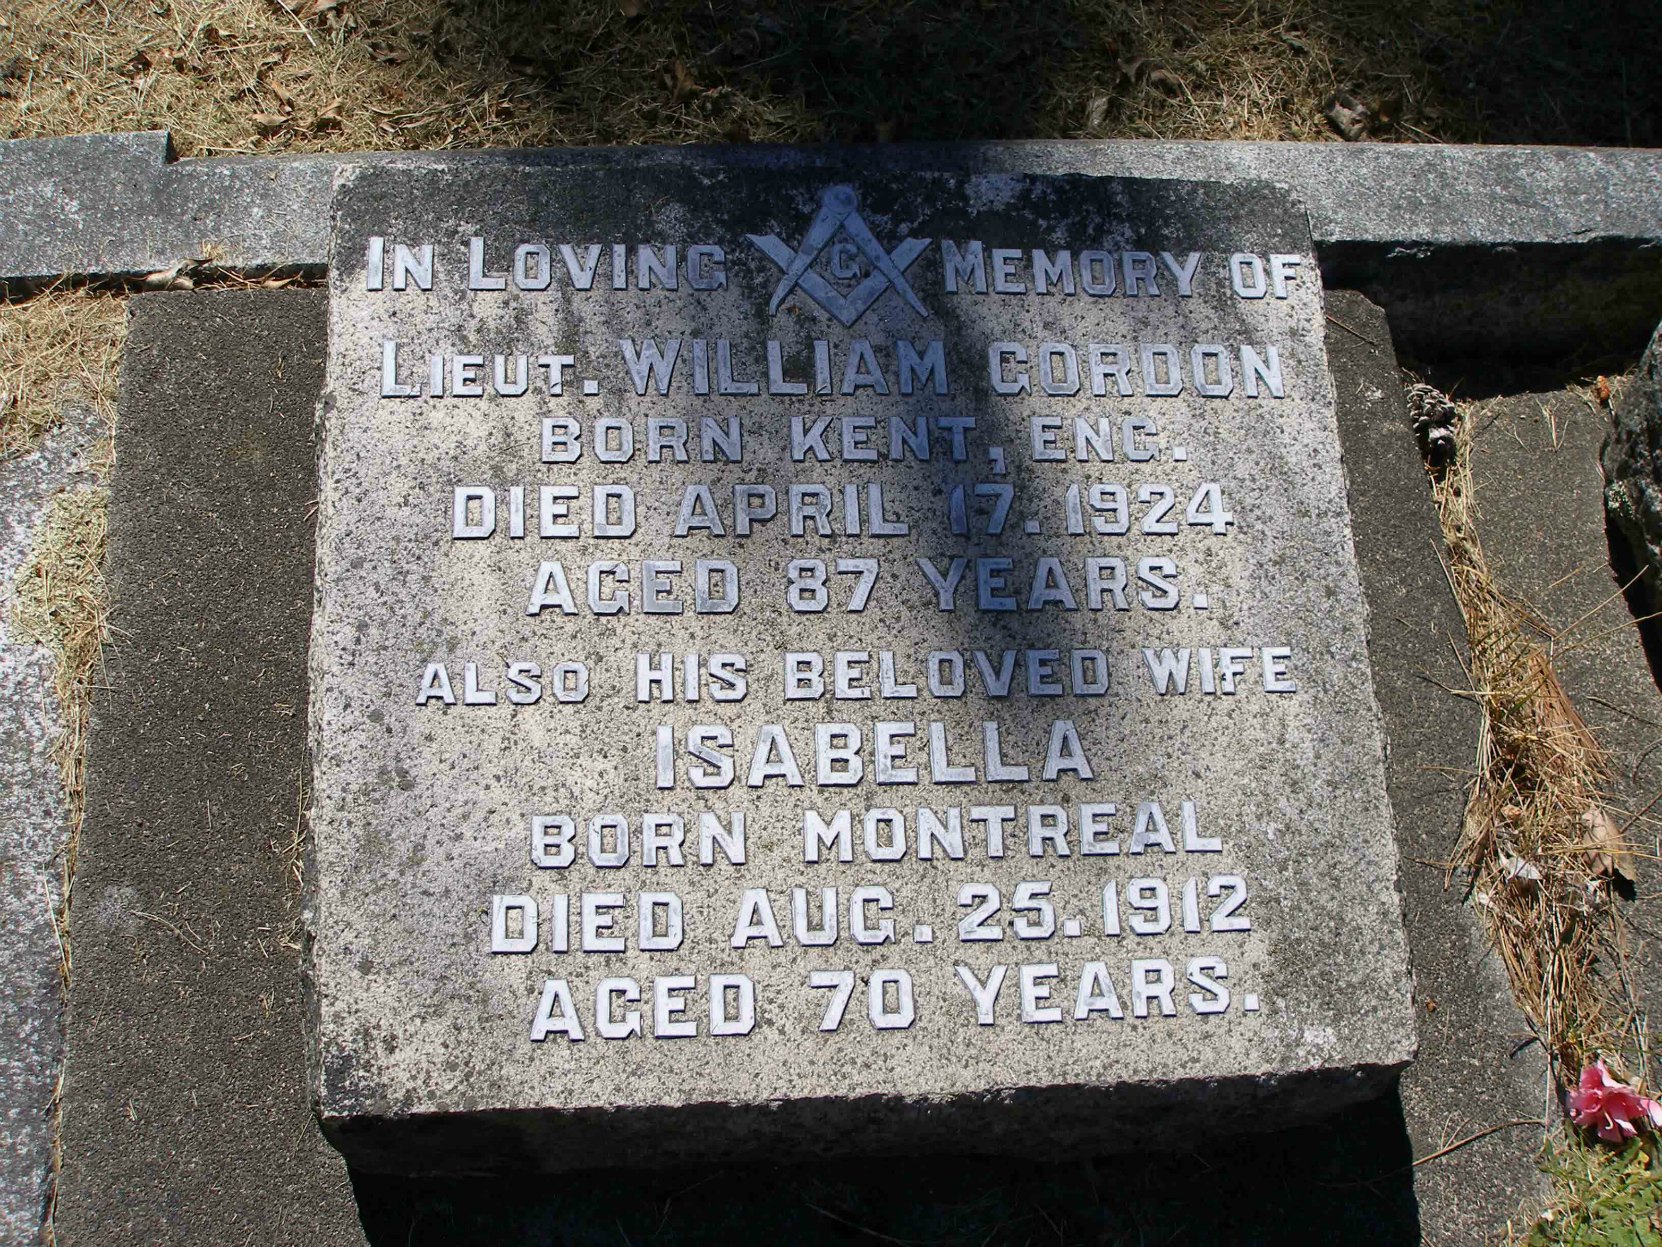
1349	1181
184	1116
1475	1067
33	831
1542	506
91	202
423	812
274	210
1632	460
1345	1181
1521	252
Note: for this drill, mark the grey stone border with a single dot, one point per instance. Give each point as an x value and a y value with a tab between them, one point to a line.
185	1113
1519	252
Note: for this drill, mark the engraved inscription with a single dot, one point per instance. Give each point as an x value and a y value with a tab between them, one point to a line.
886	615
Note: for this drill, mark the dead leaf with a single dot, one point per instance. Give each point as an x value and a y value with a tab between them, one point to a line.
1606	853
329	117
1601	391
269	123
1141	71
169	278
1096	112
285	101
1164	81
181	60
682	85
386	53
1525	876
318	8
631	8
1350	117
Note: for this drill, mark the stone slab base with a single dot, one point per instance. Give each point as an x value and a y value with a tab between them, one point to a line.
1522	252
1477	1065
1540	500
185	1119
185	1122
34	829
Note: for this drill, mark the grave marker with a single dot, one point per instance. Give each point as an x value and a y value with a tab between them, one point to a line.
837	663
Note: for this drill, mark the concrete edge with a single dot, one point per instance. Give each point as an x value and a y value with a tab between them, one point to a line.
1472	250
1390	556
34	832
185	1118
1473	1038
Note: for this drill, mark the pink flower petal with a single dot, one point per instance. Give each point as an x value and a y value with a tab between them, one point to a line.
1612	1109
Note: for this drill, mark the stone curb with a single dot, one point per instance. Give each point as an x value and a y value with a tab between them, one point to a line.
1507	251
184	1106
185	1114
34	829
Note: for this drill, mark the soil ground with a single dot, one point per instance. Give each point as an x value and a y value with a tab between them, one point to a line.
305	75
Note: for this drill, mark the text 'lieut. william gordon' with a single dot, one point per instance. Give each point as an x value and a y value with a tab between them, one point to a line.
1121	482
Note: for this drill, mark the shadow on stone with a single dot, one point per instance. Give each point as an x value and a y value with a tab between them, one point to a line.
1347	1181
185	1111
1639	591
1628	460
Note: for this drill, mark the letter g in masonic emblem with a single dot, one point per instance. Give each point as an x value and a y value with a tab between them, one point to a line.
839	214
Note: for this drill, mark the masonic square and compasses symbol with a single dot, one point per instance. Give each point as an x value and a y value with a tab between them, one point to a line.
839	213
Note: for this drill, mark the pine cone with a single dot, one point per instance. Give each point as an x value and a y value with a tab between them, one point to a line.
1434	416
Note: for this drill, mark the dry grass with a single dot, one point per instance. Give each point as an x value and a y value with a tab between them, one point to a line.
59	602
308	75
1540	870
59	347
1542	853
64	347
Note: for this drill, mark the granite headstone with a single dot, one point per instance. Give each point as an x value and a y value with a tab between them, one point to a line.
821	664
